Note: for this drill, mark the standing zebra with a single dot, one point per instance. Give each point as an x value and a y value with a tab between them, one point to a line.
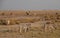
24	27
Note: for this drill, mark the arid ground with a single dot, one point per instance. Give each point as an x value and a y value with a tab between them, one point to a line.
30	24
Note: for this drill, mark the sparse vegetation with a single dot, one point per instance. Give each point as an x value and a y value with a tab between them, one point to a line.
3	14
3	22
49	28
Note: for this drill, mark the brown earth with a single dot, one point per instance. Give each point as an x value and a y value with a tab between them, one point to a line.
44	23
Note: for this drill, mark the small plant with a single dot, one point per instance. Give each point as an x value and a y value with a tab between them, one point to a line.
3	22
3	14
27	13
17	22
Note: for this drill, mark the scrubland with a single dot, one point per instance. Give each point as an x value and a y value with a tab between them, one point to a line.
43	23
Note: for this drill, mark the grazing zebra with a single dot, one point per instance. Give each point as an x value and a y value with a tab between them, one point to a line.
25	27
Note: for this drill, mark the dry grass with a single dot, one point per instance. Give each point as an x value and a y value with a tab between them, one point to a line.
34	32
12	30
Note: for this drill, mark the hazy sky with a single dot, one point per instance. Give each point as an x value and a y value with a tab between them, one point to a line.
29	4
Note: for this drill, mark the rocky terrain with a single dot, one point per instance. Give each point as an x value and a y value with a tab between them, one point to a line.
30	24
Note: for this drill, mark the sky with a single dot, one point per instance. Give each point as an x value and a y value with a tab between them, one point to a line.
29	4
